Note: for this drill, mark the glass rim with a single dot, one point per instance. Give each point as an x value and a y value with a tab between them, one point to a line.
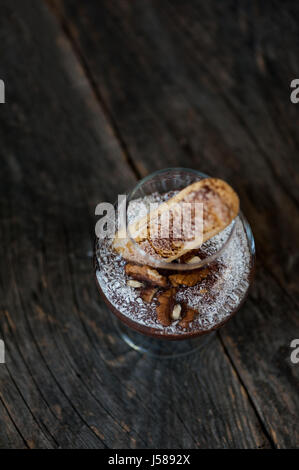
160	263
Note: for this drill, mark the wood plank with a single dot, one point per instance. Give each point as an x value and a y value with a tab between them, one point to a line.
9	434
260	337
69	381
207	85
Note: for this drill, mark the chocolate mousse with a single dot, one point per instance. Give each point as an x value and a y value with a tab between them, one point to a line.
185	297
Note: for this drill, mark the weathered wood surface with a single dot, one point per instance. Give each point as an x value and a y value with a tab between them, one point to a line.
101	93
207	85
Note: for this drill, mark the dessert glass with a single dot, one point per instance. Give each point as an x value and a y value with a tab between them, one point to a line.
229	256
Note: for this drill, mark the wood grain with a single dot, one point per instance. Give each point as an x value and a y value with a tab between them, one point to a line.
207	85
69	382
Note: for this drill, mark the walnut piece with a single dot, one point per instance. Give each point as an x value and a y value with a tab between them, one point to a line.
189	316
165	307
189	278
146	274
147	294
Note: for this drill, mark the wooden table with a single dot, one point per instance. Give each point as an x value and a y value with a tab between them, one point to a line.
99	94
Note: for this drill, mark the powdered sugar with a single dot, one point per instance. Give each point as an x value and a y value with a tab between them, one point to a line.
215	299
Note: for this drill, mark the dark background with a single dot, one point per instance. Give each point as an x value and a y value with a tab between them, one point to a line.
99	94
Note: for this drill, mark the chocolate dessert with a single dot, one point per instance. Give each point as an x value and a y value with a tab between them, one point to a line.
163	287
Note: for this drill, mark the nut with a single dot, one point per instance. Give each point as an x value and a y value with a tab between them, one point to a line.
176	312
148	293
133	283
146	274
195	259
189	279
189	316
165	307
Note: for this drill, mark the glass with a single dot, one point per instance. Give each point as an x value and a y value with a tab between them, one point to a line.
146	339
167	181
